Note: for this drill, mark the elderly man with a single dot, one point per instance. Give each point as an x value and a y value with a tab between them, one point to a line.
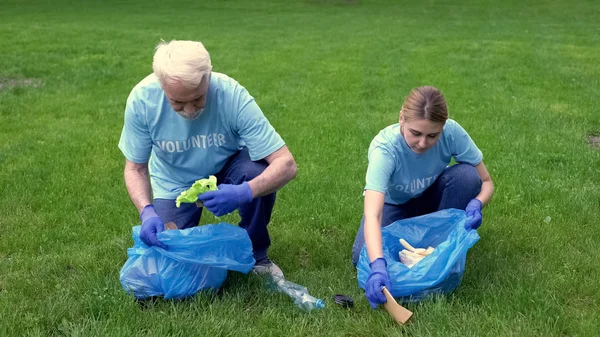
184	122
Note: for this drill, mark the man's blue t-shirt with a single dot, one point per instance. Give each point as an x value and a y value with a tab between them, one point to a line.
181	151
401	174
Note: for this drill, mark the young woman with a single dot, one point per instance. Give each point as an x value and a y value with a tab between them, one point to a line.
408	175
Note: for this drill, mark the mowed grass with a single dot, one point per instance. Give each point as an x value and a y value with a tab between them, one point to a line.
521	77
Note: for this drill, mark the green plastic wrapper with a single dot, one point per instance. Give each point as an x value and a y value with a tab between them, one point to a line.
200	186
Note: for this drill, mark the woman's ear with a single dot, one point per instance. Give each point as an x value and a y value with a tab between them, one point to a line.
401	124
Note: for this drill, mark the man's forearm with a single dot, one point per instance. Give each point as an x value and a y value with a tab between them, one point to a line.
275	176
138	187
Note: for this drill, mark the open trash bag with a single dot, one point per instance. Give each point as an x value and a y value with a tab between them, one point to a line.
438	273
197	258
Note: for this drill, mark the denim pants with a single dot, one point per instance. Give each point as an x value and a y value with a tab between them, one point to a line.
454	188
255	216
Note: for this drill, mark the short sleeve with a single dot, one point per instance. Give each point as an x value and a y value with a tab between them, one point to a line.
464	149
135	142
380	170
254	128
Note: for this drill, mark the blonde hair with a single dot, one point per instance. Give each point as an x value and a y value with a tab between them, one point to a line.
181	61
425	103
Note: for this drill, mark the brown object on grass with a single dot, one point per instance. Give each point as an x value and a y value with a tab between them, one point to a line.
199	204
170	225
593	140
398	312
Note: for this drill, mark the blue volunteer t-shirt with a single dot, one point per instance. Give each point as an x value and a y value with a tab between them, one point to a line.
181	151
401	174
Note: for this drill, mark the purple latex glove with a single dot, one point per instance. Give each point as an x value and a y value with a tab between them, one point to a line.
473	211
151	224
227	198
378	279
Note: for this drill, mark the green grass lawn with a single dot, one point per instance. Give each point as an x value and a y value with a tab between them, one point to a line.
521	77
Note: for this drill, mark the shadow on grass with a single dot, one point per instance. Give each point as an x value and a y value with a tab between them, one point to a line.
236	285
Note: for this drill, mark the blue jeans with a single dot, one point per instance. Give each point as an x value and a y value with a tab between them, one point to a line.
454	188
255	216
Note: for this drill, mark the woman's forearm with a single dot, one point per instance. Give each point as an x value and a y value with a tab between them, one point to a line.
487	190
487	185
372	227
373	237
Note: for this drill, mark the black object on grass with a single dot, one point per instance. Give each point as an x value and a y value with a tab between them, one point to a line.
343	300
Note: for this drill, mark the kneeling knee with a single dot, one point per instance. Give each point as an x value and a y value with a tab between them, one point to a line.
468	176
253	169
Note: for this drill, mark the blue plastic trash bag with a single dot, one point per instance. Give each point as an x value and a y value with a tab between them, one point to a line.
198	258
440	272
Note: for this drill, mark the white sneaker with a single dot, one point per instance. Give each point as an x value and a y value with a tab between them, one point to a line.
267	267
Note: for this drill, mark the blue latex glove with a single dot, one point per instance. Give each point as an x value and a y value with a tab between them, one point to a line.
227	198
151	224
377	280
473	211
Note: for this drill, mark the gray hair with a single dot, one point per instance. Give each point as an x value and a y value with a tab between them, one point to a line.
181	61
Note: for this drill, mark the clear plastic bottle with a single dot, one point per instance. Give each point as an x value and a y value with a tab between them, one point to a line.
299	294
